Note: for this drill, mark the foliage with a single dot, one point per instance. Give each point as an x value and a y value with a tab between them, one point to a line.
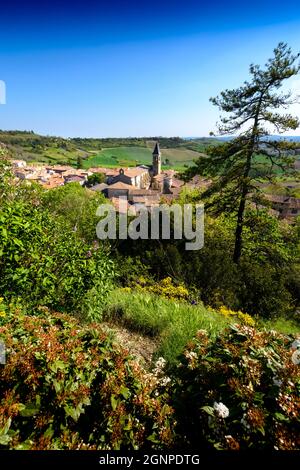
44	262
239	316
239	391
65	386
95	178
79	162
78	207
165	288
173	323
241	163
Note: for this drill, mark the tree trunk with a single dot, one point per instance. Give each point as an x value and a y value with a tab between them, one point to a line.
239	227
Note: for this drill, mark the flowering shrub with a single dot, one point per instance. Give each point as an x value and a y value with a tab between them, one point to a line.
3	308
65	386
165	288
240	391
240	316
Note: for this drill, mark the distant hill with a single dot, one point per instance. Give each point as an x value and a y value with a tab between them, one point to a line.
176	151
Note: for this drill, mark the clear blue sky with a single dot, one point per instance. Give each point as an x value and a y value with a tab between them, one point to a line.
126	68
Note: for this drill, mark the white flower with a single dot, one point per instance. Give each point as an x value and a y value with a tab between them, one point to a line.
296	344
221	410
296	357
244	422
161	362
191	355
277	382
159	366
164	381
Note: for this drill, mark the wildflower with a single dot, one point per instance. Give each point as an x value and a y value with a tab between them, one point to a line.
244	422
2	314
164	381
159	366
160	363
190	355
296	357
221	410
277	382
295	344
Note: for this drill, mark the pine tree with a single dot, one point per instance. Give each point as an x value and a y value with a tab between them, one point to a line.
238	166
79	162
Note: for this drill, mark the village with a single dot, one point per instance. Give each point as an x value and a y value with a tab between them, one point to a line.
146	185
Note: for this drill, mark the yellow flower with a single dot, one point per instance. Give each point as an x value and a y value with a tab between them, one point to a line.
2	314
244	317
126	289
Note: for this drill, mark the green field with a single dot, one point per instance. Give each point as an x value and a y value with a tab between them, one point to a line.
132	156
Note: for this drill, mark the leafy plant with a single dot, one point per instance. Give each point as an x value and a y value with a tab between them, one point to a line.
65	386
240	390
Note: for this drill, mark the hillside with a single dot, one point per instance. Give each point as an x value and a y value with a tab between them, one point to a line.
110	152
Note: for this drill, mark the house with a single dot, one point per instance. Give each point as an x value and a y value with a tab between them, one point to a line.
137	176
74	179
119	189
288	207
100	188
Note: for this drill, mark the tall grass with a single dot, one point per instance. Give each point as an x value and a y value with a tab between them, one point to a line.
283	325
173	323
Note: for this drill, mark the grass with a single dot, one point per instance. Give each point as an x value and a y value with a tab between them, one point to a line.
172	323
132	156
283	325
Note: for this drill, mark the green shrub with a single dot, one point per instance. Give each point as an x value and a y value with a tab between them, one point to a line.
44	262
77	205
65	386
239	391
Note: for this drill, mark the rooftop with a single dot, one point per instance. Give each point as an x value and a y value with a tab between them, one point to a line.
156	150
120	185
99	187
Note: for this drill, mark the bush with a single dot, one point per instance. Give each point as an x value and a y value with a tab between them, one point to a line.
69	387
44	262
239	391
165	288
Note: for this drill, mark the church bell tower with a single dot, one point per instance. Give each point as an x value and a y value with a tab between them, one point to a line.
156	160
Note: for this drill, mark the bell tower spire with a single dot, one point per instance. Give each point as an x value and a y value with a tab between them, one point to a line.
156	160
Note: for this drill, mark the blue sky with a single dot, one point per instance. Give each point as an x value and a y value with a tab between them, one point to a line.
125	68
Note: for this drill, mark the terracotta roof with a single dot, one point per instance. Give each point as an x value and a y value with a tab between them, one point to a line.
120	185
74	178
176	183
99	187
59	168
287	200
143	192
135	171
53	182
159	177
105	171
148	201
